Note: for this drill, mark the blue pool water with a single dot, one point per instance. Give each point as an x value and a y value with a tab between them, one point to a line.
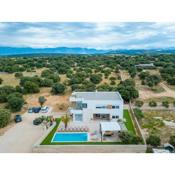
70	137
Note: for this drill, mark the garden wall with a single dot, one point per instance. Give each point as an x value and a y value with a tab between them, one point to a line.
89	149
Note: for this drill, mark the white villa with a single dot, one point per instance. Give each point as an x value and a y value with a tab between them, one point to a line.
88	106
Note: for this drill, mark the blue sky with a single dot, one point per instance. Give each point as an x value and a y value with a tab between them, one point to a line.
142	35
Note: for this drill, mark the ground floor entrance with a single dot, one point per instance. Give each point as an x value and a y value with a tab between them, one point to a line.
101	116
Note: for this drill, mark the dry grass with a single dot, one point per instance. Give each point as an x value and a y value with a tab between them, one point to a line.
172	87
160	99
36	72
153	125
52	100
63	78
124	75
153	71
9	79
107	80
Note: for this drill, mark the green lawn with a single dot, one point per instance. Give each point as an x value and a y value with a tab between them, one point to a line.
128	123
48	139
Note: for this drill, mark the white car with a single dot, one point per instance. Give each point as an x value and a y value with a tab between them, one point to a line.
44	109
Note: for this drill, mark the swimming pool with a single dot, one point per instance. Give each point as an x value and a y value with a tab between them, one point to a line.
70	137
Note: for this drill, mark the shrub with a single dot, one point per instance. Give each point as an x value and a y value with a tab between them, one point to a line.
58	88
62	106
1	80
96	79
172	140
5	116
152	104
139	103
38	120
46	82
15	103
129	138
18	74
46	73
4	92
112	78
149	149
15	94
104	87
31	87
112	82
138	113
174	103
165	104
153	140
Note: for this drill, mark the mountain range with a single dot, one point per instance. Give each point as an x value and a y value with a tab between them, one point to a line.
4	51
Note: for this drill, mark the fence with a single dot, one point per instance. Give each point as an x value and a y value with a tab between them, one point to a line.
136	124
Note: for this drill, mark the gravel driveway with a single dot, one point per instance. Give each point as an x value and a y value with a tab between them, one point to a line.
21	137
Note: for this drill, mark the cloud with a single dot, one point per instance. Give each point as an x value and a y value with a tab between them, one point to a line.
90	35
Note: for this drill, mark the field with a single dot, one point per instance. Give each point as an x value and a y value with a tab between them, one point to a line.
159	123
9	79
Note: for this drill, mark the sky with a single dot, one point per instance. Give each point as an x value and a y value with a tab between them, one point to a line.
119	35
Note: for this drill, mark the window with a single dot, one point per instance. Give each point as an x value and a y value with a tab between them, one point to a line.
115	107
84	105
100	107
115	116
78	117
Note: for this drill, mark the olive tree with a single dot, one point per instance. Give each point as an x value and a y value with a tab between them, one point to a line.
41	100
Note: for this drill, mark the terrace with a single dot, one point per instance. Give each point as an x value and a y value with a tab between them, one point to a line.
94	130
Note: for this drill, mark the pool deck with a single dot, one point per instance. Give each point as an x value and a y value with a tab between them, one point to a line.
94	130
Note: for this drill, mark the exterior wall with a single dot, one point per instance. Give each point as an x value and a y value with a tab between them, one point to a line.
89	149
91	109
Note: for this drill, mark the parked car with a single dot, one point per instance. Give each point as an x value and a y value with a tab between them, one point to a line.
18	118
45	109
30	110
37	121
36	109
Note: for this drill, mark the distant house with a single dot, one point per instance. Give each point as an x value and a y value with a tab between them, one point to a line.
150	65
88	106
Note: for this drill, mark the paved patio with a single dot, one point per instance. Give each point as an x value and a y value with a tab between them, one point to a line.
94	130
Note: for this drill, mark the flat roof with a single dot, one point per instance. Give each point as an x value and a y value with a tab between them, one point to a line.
110	126
98	95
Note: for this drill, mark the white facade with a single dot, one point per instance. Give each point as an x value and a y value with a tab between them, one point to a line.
96	105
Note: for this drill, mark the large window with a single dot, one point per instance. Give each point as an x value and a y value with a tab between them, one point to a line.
78	117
